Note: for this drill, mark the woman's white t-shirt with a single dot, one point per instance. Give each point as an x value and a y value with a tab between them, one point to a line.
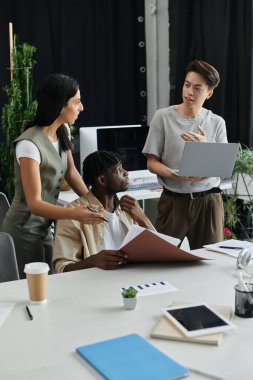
26	148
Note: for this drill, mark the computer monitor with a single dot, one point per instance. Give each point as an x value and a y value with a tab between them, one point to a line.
89	139
127	143
126	140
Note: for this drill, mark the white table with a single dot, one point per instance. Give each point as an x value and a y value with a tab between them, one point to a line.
142	194
148	198
86	306
68	196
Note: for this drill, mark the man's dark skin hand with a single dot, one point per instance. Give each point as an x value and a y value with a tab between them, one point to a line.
105	259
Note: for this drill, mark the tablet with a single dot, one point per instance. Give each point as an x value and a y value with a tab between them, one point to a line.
197	319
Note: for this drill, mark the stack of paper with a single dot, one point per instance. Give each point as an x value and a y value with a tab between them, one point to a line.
5	309
131	357
231	247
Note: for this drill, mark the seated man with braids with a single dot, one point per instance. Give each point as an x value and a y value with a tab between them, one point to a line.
81	246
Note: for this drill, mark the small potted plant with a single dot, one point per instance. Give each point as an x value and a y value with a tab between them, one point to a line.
129	298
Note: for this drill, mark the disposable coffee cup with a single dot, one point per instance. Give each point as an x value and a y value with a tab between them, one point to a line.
37	276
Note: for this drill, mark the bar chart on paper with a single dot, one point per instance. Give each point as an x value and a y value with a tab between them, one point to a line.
152	288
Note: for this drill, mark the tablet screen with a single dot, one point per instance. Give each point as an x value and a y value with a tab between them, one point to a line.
197	319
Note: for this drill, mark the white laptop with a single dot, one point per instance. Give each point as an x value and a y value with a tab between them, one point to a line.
208	159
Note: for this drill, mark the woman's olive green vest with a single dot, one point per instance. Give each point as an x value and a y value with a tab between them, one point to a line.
52	170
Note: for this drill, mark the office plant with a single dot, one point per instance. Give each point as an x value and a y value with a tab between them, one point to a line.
238	208
129	298
244	161
129	293
18	111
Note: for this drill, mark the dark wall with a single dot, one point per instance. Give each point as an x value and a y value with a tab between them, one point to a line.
95	41
219	32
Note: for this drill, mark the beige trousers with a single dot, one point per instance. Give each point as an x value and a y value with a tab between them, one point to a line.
201	219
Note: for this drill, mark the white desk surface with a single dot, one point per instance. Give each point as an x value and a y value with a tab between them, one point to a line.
86	306
68	196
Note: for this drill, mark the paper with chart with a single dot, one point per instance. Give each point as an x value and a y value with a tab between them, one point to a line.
234	247
151	288
5	309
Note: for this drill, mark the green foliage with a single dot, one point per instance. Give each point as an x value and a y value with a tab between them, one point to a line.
73	130
19	110
244	161
230	211
238	214
129	293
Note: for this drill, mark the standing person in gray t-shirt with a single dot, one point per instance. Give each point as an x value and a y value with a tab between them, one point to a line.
189	206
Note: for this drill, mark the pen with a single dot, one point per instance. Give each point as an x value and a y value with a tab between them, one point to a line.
93	210
29	313
207	374
180	243
226	247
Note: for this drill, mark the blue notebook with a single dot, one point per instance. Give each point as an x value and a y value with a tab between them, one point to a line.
131	357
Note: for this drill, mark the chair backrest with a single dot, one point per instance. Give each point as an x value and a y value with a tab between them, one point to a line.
8	261
4	206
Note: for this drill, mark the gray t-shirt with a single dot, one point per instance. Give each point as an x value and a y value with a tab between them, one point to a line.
165	142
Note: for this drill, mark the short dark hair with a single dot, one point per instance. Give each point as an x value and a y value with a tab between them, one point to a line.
53	94
96	164
208	72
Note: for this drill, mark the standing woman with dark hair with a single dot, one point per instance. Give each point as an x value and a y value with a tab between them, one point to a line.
43	159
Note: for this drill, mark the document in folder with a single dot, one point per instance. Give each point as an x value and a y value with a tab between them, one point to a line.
141	244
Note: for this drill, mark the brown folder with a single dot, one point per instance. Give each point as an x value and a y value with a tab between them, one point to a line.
148	246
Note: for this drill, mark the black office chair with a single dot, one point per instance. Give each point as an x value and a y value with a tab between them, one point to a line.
8	261
4	206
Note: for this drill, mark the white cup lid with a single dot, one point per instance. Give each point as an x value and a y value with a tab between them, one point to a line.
36	268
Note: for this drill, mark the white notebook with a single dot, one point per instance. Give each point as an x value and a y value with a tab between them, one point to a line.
231	247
